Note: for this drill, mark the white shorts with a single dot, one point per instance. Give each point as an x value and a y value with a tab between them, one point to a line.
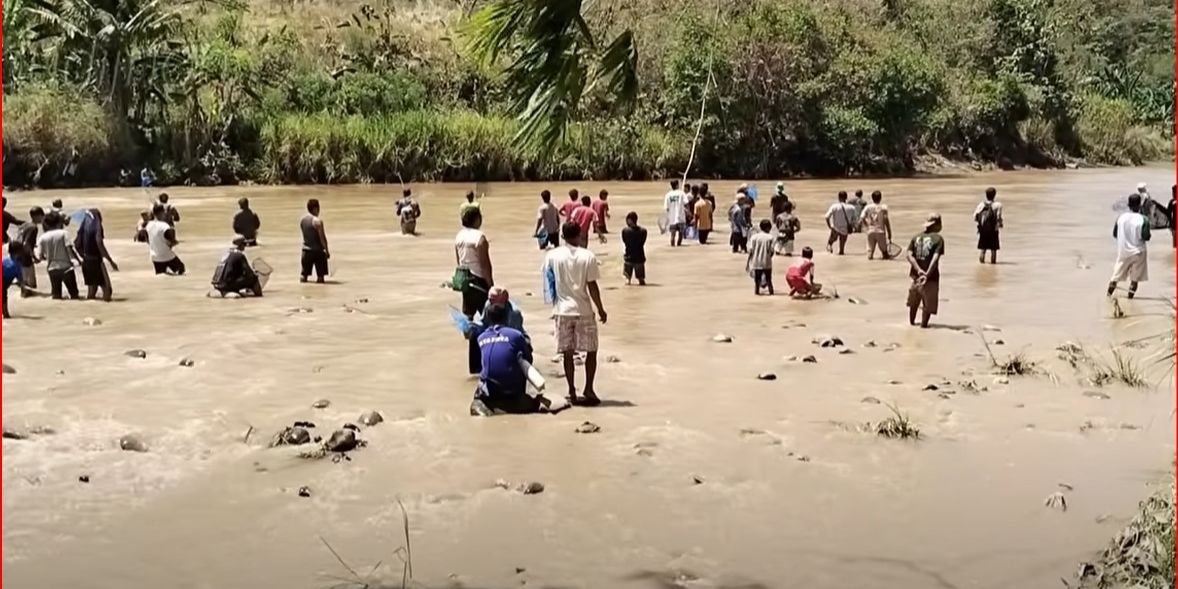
1132	268
576	333
784	247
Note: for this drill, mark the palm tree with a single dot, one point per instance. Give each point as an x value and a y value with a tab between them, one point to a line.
553	61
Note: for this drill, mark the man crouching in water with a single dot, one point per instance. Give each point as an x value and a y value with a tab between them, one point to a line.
234	274
503	381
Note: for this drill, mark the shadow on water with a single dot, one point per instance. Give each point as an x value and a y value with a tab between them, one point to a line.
608	403
948	327
681	579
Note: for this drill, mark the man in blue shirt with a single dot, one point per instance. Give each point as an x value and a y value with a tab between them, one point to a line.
12	272
503	381
515	320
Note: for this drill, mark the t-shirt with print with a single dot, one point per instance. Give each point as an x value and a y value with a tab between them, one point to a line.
923	247
574	268
54	248
787	226
501	348
761	252
674	204
875	218
549	218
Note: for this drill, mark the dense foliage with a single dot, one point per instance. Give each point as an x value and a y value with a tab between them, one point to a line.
292	91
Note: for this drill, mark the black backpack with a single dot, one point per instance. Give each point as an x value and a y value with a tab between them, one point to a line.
988	218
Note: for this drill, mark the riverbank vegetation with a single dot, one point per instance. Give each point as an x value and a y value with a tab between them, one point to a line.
289	91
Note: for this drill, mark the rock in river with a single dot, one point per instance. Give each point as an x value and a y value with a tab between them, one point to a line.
292	436
136	354
341	440
720	338
132	443
588	428
532	488
371	418
9	370
187	363
766	376
321	404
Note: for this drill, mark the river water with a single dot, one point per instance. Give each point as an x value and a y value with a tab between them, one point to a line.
790	495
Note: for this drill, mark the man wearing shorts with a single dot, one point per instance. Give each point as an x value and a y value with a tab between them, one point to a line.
634	256
674	204
547	222
924	259
576	272
879	228
1132	234
91	245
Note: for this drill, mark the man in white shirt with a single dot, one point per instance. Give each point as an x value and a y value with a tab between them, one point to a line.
161	238
675	206
878	226
576	272
1132	233
840	219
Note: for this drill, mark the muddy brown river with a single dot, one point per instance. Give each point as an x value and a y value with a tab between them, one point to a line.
792	495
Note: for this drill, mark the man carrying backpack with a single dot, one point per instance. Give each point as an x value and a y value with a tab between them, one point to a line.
988	216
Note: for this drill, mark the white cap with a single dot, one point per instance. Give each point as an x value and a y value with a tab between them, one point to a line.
1140	186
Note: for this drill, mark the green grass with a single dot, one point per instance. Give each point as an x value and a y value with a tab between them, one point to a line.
1142	554
898	426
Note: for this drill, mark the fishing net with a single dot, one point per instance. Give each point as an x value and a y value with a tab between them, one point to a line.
263	270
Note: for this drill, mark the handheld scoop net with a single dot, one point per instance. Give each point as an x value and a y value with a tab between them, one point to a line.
263	270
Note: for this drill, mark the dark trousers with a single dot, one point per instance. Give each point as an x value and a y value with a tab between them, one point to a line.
703	235
763	278
316	260
66	278
739	242
252	285
175	265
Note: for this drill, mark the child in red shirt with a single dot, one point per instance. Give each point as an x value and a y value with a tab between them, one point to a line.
800	276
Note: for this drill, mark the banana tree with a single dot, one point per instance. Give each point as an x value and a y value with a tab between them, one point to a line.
123	50
552	61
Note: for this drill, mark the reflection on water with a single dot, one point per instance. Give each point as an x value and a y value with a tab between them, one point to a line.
787	498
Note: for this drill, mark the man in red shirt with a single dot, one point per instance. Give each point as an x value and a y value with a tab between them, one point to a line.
601	207
566	209
585	217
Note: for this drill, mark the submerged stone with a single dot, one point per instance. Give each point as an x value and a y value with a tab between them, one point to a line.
132	443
